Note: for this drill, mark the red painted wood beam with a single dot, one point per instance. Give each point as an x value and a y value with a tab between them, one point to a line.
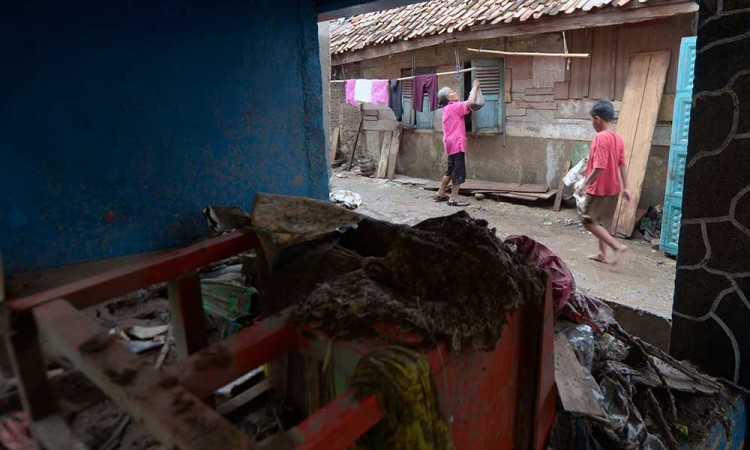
174	416
215	366
338	424
96	289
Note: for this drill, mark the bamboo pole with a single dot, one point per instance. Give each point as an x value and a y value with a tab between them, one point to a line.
499	52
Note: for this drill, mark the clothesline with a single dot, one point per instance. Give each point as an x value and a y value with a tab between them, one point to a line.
452	72
499	52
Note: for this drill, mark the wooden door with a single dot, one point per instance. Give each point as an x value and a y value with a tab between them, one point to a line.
670	228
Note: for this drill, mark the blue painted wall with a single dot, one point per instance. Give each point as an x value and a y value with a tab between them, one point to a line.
120	121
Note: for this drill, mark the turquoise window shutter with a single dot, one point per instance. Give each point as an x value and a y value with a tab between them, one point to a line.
489	119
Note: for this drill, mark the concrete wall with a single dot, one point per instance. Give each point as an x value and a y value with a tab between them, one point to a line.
711	308
122	120
541	131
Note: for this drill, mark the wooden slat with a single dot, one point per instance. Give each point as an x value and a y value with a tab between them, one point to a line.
508	85
650	91
385	150
580	69
393	152
561	187
603	63
575	389
494	186
188	319
243	398
666	108
151	397
98	288
334	143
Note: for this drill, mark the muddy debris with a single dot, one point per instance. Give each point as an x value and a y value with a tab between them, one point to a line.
449	278
96	343
218	356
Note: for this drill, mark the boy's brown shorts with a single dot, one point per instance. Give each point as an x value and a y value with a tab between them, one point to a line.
598	209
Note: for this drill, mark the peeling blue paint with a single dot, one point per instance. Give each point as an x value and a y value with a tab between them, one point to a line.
121	120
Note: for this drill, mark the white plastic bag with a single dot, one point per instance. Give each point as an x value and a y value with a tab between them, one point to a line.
576	173
479	102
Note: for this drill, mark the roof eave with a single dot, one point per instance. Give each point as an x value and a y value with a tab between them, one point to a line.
599	18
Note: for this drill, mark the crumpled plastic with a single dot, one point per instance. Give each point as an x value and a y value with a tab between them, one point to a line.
531	251
583	308
581	339
350	200
625	428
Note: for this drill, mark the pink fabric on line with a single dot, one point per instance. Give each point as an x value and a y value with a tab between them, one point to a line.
380	92
350	85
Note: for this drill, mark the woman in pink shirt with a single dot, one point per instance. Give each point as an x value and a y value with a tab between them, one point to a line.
454	141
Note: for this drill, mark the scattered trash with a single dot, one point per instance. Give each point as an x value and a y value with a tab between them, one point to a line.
571	221
650	224
226	218
341	175
350	200
479	196
230	302
144	333
547	222
144	346
15	432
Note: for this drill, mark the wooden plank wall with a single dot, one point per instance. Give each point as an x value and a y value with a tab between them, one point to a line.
604	74
603	58
580	41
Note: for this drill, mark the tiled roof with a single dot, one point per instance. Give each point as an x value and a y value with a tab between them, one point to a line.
446	16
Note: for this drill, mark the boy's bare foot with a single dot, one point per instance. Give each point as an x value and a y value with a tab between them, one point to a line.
598	258
619	254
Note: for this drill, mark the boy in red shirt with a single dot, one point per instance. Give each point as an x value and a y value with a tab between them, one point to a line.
605	179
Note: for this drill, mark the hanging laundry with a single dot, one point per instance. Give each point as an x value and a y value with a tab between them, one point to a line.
395	102
367	91
425	84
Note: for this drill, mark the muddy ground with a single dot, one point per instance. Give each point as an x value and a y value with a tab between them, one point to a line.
643	280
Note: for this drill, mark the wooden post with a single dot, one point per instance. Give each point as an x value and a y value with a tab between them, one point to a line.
334	144
561	187
188	319
393	153
356	138
22	341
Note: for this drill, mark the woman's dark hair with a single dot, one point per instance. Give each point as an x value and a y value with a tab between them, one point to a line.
604	110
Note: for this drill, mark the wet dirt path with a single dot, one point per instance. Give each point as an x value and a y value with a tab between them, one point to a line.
644	279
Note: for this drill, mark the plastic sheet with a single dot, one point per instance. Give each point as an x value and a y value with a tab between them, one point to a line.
531	251
581	338
624	428
583	308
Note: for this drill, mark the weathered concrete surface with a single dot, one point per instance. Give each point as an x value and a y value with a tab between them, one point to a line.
122	120
644	280
521	160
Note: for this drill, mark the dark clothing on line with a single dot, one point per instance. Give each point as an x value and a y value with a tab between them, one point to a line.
394	100
425	84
